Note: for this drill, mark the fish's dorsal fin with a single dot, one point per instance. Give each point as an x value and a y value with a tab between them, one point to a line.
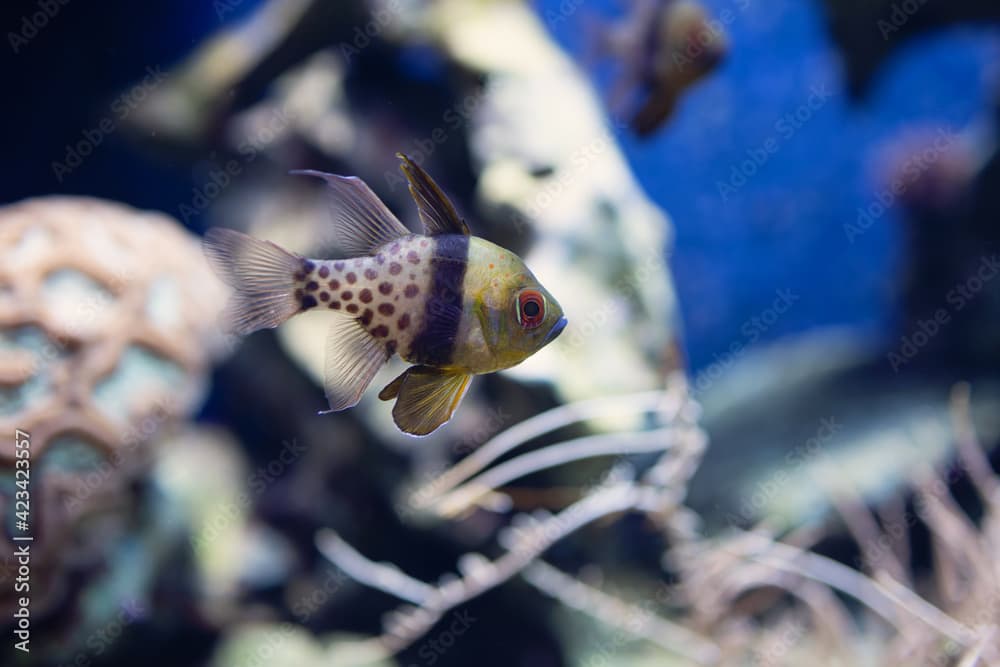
426	398
353	356
361	220
436	210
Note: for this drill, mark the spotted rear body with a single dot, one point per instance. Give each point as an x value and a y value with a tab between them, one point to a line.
386	292
451	304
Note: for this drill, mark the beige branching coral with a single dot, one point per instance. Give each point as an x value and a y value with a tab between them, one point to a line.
745	595
658	492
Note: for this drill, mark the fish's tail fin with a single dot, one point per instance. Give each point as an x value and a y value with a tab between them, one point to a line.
262	275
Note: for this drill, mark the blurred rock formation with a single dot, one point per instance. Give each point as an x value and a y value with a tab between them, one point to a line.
107	334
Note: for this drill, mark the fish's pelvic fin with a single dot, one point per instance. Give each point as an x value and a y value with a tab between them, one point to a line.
426	398
262	275
436	210
353	357
361	221
391	390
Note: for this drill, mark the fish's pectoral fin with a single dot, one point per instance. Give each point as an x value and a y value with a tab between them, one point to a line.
491	332
436	210
362	222
391	390
426	398
353	357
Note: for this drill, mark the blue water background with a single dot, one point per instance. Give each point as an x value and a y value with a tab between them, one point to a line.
784	229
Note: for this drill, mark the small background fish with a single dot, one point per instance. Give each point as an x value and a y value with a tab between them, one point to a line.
452	304
663	47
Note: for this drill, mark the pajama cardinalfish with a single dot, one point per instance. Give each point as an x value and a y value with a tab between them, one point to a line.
451	304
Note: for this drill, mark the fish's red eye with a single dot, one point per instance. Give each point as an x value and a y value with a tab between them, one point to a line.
530	308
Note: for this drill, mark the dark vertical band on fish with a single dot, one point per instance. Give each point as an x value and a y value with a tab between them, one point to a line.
435	342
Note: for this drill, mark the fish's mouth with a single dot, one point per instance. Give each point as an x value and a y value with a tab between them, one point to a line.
555	330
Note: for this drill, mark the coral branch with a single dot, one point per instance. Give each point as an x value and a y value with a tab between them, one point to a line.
864	528
970	451
604	444
667	403
876	596
712	575
382	576
906	599
524	544
971	657
634	619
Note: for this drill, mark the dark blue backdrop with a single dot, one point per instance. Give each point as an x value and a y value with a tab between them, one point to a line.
783	229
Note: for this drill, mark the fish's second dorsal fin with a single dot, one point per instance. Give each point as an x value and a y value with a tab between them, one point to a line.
361	220
436	210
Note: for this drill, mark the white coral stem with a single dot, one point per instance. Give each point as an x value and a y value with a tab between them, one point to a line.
631	618
526	546
875	595
382	576
591	446
667	402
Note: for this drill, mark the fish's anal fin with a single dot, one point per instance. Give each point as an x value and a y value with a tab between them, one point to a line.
362	222
353	357
436	210
426	398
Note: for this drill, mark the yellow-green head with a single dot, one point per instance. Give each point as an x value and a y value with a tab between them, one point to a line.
508	314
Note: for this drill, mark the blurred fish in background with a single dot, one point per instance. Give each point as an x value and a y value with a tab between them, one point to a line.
663	48
766	434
